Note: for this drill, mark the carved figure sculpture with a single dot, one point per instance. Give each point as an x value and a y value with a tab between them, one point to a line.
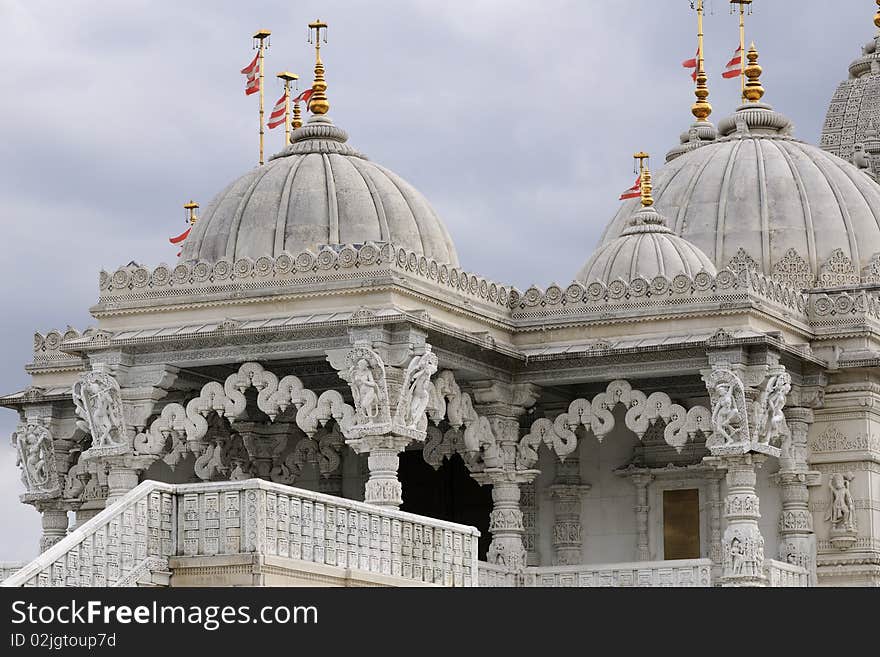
770	424
98	402
416	394
725	414
842	505
34	454
365	389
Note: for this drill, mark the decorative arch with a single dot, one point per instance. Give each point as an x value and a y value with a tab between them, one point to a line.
274	397
642	412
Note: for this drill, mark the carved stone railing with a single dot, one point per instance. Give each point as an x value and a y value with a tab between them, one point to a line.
786	575
120	546
694	573
9	568
133	539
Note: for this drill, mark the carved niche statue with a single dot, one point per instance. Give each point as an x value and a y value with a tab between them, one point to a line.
729	415
416	393
35	454
841	515
98	402
365	375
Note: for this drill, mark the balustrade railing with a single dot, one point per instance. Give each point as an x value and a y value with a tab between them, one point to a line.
786	575
136	536
686	573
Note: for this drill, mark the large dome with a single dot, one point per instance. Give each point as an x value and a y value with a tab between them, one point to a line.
318	191
761	199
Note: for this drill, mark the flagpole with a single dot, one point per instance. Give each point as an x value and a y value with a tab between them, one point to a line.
261	36
702	110
742	42
288	77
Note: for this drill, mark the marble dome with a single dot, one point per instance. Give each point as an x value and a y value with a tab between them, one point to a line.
646	249
318	191
758	198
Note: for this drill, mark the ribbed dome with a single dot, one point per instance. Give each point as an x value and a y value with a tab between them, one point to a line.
759	198
318	191
646	249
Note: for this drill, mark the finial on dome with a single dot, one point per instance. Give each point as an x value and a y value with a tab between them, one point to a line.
647	188
701	109
318	103
191	208
877	15
754	91
297	122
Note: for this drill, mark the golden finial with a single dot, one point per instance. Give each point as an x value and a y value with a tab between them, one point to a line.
754	91
645	179
297	116
701	109
289	79
318	104
877	15
191	207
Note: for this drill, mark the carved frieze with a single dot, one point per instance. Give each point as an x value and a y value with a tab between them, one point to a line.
35	455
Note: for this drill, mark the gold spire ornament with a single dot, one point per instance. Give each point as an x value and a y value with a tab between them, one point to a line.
754	91
743	6
701	109
297	122
191	208
318	103
287	77
647	188
877	15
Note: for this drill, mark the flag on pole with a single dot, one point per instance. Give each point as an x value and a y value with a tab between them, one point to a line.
734	66
276	118
633	192
252	71
304	97
692	63
180	239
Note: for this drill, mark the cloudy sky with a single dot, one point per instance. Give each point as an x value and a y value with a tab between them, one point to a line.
516	119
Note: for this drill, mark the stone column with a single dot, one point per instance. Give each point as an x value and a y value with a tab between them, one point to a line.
716	508
797	541
567	491
54	522
383	487
743	544
124	473
642	481
506	519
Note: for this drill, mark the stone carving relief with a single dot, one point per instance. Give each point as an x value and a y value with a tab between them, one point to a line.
770	426
35	455
841	515
186	427
742	261
417	391
743	553
98	402
794	271
838	271
643	412
729	410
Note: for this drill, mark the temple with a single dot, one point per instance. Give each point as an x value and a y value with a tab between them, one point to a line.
318	393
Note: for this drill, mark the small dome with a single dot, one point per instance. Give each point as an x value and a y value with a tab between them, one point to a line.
757	198
646	249
318	191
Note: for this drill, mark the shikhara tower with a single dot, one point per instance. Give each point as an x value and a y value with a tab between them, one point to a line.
317	391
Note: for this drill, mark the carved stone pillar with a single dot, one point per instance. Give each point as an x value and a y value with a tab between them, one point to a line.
389	373
743	544
506	520
797	541
383	487
716	507
54	523
641	481
123	474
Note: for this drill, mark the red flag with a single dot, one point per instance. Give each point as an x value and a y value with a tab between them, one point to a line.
252	71
692	63
276	118
304	96
633	192
180	238
734	66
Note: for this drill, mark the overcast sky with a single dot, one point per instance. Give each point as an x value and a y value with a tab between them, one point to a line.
516	119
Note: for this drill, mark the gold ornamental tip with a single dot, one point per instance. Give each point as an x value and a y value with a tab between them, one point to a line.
297	122
191	207
702	109
318	103
754	91
877	15
647	188
287	76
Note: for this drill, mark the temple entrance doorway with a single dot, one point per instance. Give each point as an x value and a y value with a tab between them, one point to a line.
446	494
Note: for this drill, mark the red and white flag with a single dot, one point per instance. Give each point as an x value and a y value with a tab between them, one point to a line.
180	239
252	71
692	63
276	118
734	66
633	192
304	97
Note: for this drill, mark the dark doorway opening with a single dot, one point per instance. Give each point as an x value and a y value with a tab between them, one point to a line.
446	494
